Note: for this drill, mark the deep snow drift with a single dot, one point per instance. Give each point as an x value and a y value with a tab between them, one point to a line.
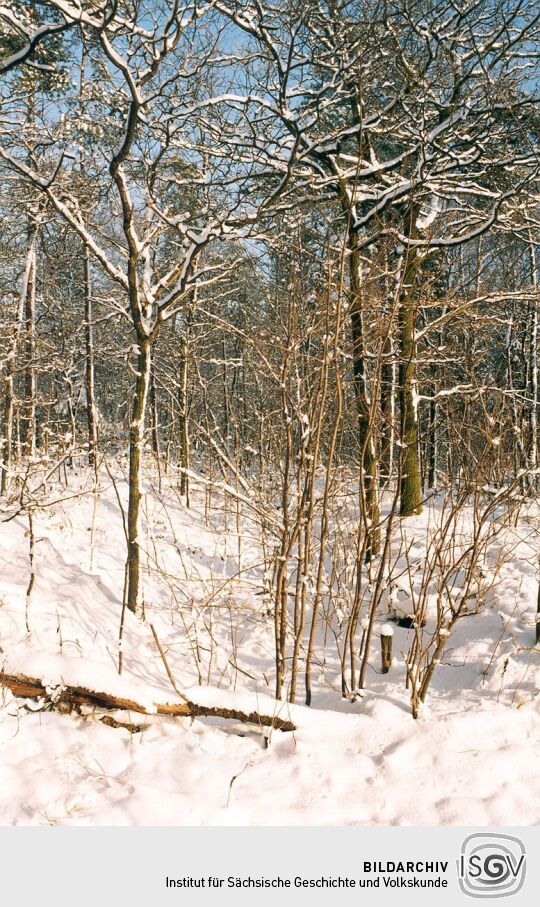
469	759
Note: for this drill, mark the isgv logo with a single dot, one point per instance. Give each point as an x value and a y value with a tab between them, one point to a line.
491	866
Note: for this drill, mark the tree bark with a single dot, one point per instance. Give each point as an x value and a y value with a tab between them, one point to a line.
410	473
183	412
369	481
136	453
388	381
72	697
226	405
7	429
154	412
28	416
433	441
89	361
532	458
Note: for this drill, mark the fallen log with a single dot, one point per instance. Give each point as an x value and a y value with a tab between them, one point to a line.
65	697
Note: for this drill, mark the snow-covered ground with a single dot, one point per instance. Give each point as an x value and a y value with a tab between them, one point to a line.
468	760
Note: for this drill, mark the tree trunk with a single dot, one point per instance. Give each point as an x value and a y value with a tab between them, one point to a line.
183	408
89	361
73	697
432	440
7	429
368	456
6	442
154	412
410	474
28	417
520	454
136	453
532	458
388	381
226	407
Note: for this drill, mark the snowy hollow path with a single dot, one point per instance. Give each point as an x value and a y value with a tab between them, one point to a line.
468	760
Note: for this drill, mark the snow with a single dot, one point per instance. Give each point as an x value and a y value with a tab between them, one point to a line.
467	760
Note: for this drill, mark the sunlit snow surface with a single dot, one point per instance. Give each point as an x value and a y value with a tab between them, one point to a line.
469	760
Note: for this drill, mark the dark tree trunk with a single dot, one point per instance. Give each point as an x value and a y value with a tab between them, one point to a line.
183	408
28	415
410	474
387	412
136	453
89	362
368	456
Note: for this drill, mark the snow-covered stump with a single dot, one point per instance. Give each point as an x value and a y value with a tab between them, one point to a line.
387	634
